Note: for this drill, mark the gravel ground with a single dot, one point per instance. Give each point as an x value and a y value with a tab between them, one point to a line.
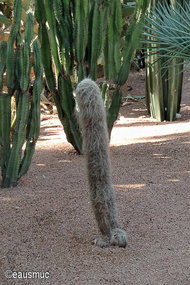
47	223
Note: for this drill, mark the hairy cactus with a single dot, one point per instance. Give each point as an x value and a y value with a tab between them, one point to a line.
17	64
92	120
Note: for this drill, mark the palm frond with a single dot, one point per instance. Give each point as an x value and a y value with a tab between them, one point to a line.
167	32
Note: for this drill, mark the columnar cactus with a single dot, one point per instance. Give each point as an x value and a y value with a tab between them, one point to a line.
17	64
79	33
92	120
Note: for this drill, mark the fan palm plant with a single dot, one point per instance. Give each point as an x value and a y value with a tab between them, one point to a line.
170	31
167	40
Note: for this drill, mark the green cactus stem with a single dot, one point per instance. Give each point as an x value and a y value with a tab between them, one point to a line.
80	33
66	113
29	28
25	67
114	109
53	34
12	170
33	126
16	62
3	55
96	41
17	11
46	57
10	64
5	125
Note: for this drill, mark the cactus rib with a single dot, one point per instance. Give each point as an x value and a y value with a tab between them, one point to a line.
29	28
46	58
96	41
3	55
52	24
10	64
25	67
5	125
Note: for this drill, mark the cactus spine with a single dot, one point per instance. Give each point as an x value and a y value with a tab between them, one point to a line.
17	64
92	120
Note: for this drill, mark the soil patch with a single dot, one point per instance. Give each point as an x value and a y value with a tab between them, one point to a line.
47	222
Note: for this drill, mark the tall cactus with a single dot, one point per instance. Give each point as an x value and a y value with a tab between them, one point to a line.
17	64
79	33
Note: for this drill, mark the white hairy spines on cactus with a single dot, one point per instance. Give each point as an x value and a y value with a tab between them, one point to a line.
92	121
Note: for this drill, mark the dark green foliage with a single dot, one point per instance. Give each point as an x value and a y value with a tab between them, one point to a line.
17	65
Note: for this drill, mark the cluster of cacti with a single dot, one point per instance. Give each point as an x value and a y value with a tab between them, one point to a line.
92	120
16	62
79	33
163	88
